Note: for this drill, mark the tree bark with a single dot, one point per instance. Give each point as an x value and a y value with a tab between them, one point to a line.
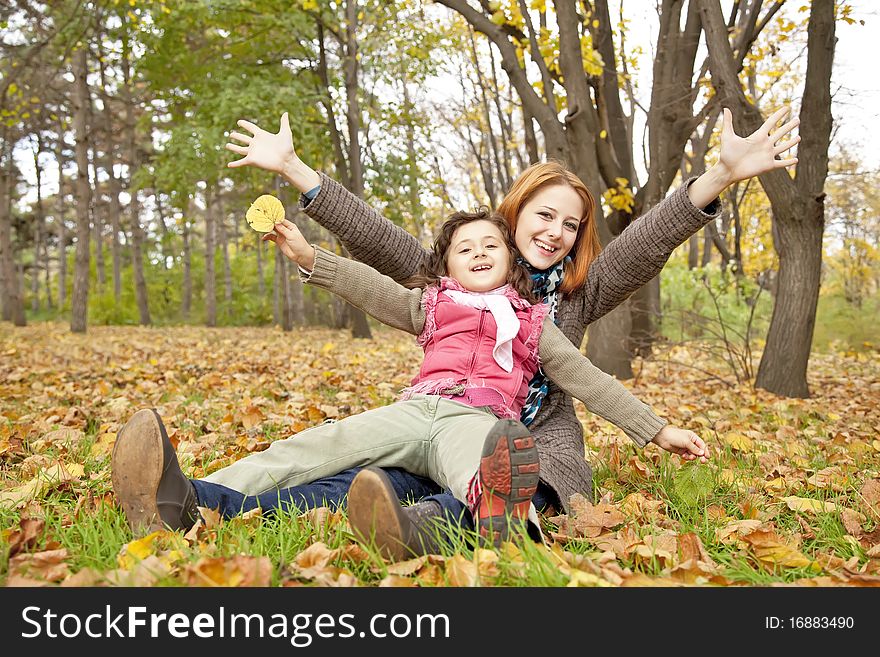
224	249
210	278
62	232
798	204
39	224
186	301
80	301
694	251
261	282
13	303
114	188
98	207
359	326
137	231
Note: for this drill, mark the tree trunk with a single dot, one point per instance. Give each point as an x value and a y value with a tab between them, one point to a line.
165	243
277	315
113	184
224	249
297	303
137	261
186	301
529	137
359	326
99	207
39	224
80	302
62	232
13	304
707	247
210	278
783	367
287	295
790	337
415	205
137	231
115	247
694	251
798	205
261	282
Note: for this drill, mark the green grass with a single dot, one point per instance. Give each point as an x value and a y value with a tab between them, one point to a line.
841	325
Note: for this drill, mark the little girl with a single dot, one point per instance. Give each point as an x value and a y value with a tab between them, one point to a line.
457	424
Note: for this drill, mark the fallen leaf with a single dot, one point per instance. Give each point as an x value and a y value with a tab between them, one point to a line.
252	417
590	520
772	551
461	571
690	547
808	505
852	521
408	567
240	570
396	581
23	538
738	442
49	565
733	530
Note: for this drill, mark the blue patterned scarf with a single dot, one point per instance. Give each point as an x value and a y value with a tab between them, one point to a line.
546	285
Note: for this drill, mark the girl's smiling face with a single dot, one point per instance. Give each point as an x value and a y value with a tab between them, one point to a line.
548	224
478	257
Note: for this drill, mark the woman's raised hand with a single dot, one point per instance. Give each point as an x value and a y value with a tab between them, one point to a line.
272	152
683	442
745	157
292	244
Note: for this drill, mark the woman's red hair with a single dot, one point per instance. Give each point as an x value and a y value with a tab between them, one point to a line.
586	246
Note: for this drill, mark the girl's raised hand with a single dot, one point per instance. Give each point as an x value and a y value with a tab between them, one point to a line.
745	157
292	244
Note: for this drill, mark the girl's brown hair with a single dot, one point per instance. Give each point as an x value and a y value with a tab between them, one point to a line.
434	266
586	245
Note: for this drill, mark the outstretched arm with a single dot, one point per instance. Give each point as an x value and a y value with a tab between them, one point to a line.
608	398
359	284
641	251
367	235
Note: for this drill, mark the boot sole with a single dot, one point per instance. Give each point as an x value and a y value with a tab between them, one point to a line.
375	516
136	470
509	472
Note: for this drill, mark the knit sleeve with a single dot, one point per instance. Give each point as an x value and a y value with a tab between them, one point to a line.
368	236
640	252
601	393
364	287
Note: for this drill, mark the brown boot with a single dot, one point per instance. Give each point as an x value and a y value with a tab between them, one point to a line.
147	480
377	518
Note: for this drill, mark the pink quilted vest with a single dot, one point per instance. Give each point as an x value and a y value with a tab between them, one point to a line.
458	342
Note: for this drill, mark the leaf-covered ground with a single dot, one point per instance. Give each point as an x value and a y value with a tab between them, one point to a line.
791	496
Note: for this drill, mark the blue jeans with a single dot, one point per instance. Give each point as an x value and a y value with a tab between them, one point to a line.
332	491
328	491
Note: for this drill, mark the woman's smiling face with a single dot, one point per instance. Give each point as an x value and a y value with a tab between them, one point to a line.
548	224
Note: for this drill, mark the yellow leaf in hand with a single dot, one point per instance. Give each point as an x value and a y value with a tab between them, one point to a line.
264	213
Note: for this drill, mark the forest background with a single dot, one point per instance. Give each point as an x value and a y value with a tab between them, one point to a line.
117	209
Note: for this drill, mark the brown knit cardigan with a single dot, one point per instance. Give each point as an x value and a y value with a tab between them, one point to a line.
626	264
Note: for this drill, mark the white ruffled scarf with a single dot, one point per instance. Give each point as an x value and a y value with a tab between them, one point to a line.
507	325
